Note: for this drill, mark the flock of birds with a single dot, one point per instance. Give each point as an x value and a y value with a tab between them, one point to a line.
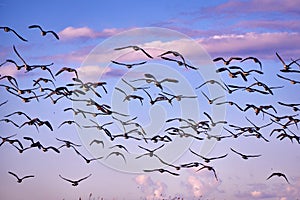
44	89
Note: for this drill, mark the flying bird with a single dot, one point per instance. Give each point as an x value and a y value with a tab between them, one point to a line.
20	180
129	65
209	168
212	81
128	97
161	171
75	182
97	142
226	62
69	122
134	88
7	29
67	143
149	78
117	154
206	159
67	69
136	48
86	159
231	103
213	123
256	60
43	32
243	155
279	174
288	79
211	101
151	152
286	66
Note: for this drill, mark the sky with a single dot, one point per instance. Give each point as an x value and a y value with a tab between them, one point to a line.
200	31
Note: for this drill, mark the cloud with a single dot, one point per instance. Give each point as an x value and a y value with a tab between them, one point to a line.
200	183
263	45
256	194
280	191
252	6
151	189
9	70
70	33
92	72
287	25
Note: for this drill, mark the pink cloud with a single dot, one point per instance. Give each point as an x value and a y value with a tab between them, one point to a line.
151	189
263	44
264	6
199	184
86	32
292	25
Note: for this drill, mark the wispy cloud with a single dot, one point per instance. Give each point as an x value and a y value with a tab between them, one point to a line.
70	33
258	6
280	191
277	25
262	44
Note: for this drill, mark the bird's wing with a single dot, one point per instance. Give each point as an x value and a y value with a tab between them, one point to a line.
65	178
36	26
13	174
53	33
84	178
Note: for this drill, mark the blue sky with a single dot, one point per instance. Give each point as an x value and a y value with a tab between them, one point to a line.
201	31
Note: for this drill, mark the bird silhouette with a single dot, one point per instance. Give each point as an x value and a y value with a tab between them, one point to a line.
211	101
288	79
135	48
286	66
243	155
7	29
20	180
231	103
206	159
150	152
130	96
134	88
129	65
180	63
69	122
226	62
279	174
212	81
75	182
67	143
161	171
117	154
209	168
97	142
213	123
256	60
67	69
149	78
43	32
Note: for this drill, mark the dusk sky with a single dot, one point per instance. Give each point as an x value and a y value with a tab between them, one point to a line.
89	32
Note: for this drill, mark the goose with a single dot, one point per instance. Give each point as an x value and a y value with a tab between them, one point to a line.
135	48
20	180
43	32
75	182
7	29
